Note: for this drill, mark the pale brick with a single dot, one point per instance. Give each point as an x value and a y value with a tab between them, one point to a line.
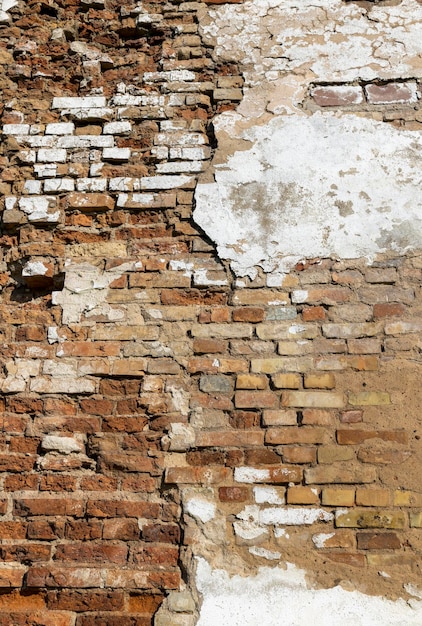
318	399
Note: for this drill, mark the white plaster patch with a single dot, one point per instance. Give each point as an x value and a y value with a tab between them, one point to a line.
85	288
281	597
307	186
270	555
268	495
320	540
200	509
294	516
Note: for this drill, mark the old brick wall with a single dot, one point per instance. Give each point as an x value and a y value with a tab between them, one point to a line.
189	405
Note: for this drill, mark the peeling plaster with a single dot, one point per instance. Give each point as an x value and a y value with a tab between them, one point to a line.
281	597
324	185
85	288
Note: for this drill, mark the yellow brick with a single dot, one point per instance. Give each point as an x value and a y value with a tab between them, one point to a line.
416	520
331	454
407	498
287	381
372	497
317	399
364	518
320	381
251	381
369	398
338	497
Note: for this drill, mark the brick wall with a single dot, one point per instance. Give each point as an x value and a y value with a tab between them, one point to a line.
157	408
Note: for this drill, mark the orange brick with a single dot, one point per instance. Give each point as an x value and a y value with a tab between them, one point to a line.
251	381
355	436
318	417
302	495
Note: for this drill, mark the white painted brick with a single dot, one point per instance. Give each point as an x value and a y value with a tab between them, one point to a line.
101	114
121	183
194	154
84	102
52	185
36	129
250	474
37	141
10	202
16	129
176	100
164	182
95	169
171	76
32	186
40	208
176	167
116	154
85	141
91	184
45	171
117	128
27	156
124	199
46	155
180	139
60	128
293	516
160	152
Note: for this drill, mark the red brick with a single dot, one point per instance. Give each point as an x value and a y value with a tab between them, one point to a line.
220	315
337	95
389	93
45	530
124	529
57	483
120	619
351	417
25	553
83	530
114	508
378	541
354	436
256	399
24	405
299	454
248	314
162	533
21	483
148	556
350	559
81	601
192	296
24	507
245	419
313	313
12	530
388	309
91	553
209	346
233	494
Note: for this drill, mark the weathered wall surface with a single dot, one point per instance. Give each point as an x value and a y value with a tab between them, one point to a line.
210	313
